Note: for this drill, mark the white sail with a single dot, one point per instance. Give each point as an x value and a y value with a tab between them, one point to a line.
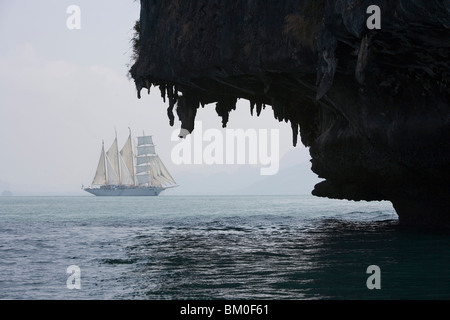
141	160
143	179
113	156
127	156
147	149
126	177
100	174
145	140
164	172
112	177
139	167
156	171
164	181
147	179
147	173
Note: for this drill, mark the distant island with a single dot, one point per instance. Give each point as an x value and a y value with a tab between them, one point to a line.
7	193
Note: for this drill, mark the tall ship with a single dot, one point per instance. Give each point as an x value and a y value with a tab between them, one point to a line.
131	171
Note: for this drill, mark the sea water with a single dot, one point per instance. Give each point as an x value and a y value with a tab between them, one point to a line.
215	247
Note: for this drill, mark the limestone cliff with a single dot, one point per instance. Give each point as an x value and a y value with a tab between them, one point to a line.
372	105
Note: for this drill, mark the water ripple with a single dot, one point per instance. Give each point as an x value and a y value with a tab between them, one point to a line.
232	248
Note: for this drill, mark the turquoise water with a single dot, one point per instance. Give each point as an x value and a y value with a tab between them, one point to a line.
215	247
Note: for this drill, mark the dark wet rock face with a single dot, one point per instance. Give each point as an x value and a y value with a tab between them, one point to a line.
372	105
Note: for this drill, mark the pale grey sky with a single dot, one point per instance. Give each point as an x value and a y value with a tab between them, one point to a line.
62	91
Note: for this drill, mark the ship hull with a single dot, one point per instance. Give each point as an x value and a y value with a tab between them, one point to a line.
125	192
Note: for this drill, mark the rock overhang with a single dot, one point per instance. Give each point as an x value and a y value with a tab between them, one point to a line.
372	105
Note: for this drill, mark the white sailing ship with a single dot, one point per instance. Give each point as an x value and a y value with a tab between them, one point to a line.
131	173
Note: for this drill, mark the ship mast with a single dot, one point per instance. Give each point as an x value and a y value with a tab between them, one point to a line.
104	159
122	168
132	159
118	160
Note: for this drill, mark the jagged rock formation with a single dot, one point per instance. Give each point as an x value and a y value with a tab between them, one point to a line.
372	105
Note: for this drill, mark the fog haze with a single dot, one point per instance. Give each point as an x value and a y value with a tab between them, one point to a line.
64	91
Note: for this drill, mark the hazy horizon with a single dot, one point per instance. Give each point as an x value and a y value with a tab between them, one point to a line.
64	91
